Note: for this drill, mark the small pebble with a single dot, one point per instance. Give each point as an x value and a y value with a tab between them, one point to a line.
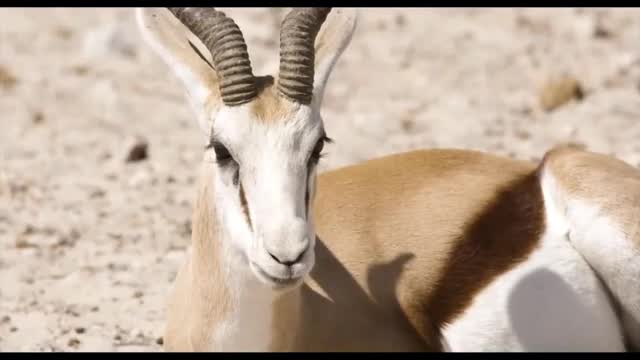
601	32
7	80
559	92
73	342
522	134
38	117
138	151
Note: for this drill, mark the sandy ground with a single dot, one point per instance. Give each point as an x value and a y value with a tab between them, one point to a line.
90	243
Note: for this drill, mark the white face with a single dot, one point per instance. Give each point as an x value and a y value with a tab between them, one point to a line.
265	183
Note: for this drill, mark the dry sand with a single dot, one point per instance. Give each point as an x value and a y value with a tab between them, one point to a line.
89	243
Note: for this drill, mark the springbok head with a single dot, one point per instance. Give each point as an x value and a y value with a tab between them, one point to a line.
267	134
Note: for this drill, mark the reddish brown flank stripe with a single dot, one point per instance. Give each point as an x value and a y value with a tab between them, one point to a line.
500	238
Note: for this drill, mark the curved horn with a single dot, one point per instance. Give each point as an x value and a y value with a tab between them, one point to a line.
223	38
297	53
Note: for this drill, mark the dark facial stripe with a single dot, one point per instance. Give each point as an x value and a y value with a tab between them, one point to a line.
306	202
245	206
307	193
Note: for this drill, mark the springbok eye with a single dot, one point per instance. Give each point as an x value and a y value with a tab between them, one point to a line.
223	156
316	153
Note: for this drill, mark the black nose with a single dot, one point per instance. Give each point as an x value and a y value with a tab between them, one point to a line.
289	262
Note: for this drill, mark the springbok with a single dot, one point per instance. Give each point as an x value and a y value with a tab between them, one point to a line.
425	250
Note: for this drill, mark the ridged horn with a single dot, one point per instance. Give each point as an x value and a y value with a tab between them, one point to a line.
297	53
225	41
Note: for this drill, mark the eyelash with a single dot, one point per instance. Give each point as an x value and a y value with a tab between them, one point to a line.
316	156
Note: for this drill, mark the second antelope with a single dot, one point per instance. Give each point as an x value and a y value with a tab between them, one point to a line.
426	250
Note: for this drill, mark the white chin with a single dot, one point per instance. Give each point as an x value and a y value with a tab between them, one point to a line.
273	282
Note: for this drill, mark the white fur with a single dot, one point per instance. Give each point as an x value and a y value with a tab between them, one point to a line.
613	256
607	248
271	157
273	163
248	326
553	301
334	38
170	39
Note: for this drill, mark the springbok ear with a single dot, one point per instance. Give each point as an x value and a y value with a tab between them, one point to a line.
333	38
178	48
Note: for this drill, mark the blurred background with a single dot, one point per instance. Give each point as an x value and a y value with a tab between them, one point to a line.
99	149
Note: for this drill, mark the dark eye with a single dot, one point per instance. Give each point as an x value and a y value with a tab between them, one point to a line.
316	153
223	156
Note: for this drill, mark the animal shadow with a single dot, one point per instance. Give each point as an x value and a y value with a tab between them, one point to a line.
350	318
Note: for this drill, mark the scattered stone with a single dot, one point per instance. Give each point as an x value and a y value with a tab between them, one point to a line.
67	240
138	151
601	32
138	294
559	92
7	80
23	243
525	110
407	125
533	25
72	311
522	134
400	20
29	229
493	132
13	329
38	117
5	319
73	342
80	330
185	229
381	25
80	70
160	341
63	32
104	156
97	193
575	145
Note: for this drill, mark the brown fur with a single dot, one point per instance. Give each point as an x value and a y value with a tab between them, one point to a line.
270	106
612	183
200	296
405	242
